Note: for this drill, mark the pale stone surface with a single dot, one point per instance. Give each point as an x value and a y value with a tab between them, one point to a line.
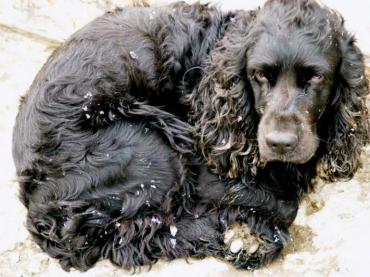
331	236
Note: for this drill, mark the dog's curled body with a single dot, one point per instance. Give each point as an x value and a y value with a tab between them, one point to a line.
101	144
141	136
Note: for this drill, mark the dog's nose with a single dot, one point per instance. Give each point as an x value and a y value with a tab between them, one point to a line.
281	142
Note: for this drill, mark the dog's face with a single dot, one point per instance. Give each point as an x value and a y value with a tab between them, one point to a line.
286	84
291	79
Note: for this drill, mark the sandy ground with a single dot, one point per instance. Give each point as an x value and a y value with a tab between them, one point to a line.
330	234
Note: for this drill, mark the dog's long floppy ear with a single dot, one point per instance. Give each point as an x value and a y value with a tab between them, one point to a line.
222	105
349	127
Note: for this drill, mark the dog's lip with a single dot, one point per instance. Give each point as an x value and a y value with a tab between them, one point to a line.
288	158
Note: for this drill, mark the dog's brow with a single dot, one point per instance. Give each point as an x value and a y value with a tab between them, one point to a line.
262	63
319	65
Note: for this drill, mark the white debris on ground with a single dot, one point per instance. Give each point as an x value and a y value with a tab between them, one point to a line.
133	55
330	234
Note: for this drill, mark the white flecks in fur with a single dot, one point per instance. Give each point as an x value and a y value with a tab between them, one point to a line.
173	230
118	224
156	220
120	241
133	55
85	108
146	130
173	242
101	112
277	230
223	141
87	116
147	203
137	193
153	186
240	118
149	164
196	216
276	238
142	186
88	95
107	155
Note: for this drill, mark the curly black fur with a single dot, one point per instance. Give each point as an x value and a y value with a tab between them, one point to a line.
143	135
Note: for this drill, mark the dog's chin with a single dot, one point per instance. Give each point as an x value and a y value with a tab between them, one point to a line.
293	157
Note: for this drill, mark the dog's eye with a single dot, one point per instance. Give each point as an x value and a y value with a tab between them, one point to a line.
308	78
266	75
261	76
316	77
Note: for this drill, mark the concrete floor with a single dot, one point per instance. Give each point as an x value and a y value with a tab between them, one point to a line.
330	234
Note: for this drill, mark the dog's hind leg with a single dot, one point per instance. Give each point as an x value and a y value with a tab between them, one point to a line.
117	175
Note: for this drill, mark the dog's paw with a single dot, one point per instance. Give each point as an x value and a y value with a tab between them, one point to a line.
242	246
239	237
249	250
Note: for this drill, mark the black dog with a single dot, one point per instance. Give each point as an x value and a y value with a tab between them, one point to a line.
151	131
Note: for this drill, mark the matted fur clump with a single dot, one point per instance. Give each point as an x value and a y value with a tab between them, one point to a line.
152	131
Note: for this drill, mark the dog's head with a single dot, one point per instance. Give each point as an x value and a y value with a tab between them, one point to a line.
292	68
286	85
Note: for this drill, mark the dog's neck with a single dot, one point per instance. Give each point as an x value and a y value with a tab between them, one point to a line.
283	178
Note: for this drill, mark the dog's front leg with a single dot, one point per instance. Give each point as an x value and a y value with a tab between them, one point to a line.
256	226
254	241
